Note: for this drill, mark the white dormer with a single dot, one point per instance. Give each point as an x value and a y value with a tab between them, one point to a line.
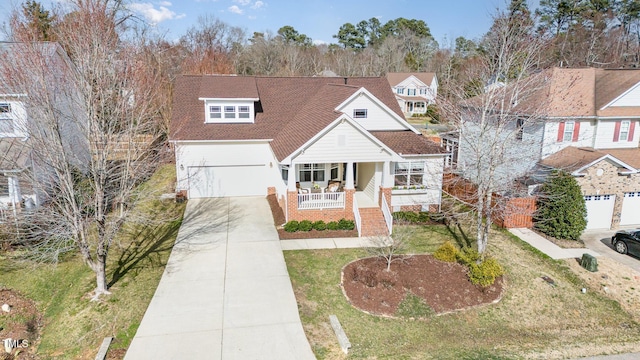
229	111
12	118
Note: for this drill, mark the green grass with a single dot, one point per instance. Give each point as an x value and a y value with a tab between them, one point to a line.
74	326
533	319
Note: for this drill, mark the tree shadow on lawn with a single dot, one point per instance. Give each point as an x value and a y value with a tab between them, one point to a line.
454	228
145	249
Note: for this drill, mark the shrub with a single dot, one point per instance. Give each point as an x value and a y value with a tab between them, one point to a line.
433	113
561	208
345	224
446	252
291	226
320	225
305	225
485	273
468	256
332	225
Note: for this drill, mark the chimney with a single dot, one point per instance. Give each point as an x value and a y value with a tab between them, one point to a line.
345	81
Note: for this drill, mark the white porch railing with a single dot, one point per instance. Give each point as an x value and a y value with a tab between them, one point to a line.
388	218
356	216
319	201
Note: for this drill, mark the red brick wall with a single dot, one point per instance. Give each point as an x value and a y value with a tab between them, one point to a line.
414	208
325	215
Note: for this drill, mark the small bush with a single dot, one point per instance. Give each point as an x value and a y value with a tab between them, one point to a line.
320	225
332	225
485	273
468	256
345	224
291	226
305	225
446	252
412	217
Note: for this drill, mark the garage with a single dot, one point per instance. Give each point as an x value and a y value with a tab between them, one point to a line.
599	211
630	214
222	181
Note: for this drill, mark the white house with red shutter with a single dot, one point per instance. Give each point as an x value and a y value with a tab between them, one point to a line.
587	124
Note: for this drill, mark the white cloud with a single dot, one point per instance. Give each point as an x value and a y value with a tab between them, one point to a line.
242	2
154	15
258	4
235	9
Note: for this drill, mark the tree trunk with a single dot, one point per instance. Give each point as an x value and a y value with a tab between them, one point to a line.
100	268
479	227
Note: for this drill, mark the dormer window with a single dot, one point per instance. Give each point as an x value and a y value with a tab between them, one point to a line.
229	110
359	113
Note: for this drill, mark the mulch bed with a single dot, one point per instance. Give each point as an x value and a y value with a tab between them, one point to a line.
444	286
276	210
22	322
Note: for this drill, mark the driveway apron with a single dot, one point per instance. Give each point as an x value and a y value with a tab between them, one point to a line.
225	292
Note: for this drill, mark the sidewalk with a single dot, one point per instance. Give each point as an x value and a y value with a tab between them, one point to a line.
547	247
327	243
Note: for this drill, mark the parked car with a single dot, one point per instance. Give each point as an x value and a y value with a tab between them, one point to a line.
627	241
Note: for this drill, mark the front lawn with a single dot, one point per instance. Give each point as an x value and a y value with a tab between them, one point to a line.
73	326
533	319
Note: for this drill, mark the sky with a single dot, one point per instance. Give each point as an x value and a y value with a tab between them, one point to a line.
318	19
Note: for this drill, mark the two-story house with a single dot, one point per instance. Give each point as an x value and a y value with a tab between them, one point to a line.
414	91
586	123
327	147
32	83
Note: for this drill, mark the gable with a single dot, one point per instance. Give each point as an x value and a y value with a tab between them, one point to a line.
631	97
344	141
412	82
377	116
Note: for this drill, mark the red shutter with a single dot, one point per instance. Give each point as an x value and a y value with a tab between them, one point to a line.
631	128
560	131
576	131
616	132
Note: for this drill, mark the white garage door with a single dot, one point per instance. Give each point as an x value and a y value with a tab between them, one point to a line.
221	181
599	211
630	209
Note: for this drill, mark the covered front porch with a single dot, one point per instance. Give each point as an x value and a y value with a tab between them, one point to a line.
332	191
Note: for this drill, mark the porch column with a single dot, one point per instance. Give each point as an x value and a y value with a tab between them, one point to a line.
291	179
14	190
349	177
387	178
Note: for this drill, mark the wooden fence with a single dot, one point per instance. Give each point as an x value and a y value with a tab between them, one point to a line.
507	212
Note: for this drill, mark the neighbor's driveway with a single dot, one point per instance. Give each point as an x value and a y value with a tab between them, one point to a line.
225	293
600	241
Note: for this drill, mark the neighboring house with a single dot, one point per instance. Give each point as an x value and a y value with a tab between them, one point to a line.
325	147
414	91
18	113
587	121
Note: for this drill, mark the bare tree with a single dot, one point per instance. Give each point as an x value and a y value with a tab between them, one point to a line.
389	247
493	124
92	132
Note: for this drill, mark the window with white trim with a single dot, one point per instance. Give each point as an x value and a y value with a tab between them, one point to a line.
311	172
568	131
411	92
624	130
229	112
359	113
243	112
285	172
6	118
400	91
423	91
408	173
215	112
334	171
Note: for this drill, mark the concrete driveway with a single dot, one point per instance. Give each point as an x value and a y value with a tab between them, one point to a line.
600	241
226	292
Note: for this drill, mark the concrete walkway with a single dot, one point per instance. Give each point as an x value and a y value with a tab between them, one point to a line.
552	250
225	292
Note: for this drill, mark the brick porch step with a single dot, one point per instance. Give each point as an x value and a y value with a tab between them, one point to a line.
373	222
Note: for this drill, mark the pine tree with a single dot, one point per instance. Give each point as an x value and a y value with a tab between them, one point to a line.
562	212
